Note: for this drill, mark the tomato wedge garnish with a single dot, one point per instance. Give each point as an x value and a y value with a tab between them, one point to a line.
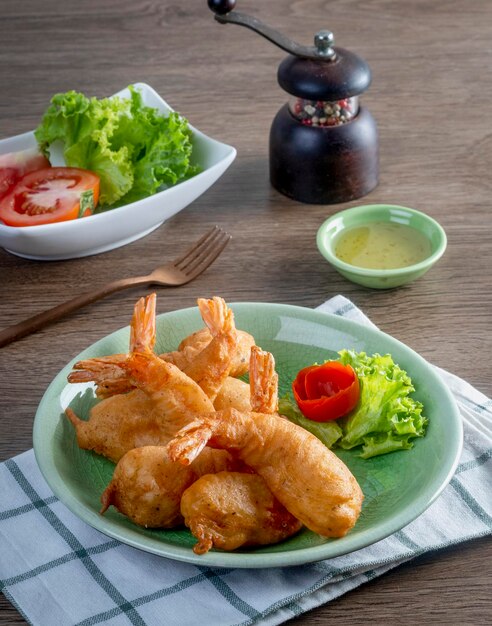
326	392
53	194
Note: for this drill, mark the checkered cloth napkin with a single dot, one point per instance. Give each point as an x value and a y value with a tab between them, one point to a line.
57	570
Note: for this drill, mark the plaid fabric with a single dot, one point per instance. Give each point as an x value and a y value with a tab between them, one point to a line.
57	570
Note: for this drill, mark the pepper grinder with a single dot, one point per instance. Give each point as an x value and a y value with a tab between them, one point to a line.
323	144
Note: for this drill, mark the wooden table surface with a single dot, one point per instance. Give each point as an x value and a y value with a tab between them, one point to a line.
432	98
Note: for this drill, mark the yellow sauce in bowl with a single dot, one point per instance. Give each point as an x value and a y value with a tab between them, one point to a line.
382	245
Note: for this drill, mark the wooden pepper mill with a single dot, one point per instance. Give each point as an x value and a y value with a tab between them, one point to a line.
323	144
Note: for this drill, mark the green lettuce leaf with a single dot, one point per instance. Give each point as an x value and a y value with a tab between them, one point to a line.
134	149
386	417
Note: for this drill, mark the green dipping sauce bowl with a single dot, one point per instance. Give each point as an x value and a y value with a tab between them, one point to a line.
338	224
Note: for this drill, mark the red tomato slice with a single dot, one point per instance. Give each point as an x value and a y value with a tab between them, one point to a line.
326	392
14	165
328	379
299	384
54	194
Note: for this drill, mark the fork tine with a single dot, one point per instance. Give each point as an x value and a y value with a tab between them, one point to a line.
207	255
204	253
192	249
208	260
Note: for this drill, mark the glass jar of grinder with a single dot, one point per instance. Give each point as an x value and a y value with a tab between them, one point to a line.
323	144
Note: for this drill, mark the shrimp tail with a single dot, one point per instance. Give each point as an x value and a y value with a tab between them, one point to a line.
108	497
107	372
142	327
216	315
117	370
110	372
190	441
98	369
213	364
204	536
263	381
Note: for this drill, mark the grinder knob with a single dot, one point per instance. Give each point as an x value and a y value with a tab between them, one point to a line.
221	7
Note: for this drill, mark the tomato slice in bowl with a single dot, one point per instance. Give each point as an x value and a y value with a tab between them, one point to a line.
54	194
14	165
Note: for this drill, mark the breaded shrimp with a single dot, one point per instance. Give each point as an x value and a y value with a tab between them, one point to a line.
209	367
232	509
166	400
195	343
212	365
147	486
304	475
111	381
228	510
120	423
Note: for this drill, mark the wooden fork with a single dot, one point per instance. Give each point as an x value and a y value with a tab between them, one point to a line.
178	272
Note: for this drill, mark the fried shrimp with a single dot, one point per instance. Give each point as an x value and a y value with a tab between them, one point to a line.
118	424
209	367
194	445
195	343
228	510
304	475
109	380
212	365
232	509
165	400
147	486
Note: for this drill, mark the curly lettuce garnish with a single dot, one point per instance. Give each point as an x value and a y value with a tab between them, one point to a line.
134	149
386	417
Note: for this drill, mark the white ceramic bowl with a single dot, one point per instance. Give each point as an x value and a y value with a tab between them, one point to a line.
112	229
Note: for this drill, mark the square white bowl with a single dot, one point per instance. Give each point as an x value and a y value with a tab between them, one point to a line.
118	227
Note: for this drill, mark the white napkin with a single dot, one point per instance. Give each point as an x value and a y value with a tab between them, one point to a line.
57	570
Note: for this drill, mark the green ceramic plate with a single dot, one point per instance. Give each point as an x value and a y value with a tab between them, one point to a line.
398	487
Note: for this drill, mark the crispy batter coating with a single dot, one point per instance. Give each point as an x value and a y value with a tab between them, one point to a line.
166	400
147	486
228	510
234	393
192	345
304	475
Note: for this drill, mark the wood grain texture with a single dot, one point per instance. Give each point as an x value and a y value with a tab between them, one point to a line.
432	98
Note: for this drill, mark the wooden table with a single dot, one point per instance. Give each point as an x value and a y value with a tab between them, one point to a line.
432	98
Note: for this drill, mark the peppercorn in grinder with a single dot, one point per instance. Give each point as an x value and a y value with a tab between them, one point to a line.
323	144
